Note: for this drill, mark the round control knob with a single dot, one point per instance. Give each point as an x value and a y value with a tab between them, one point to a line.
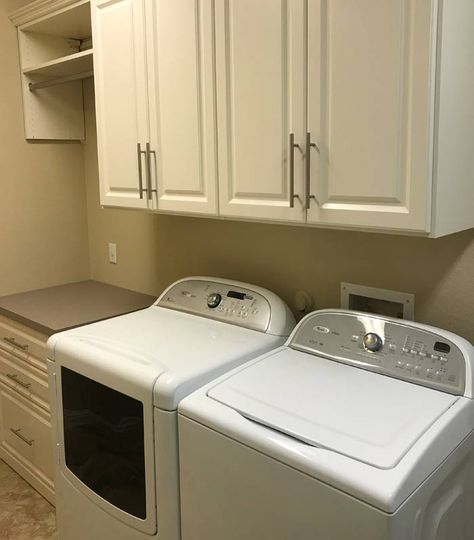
213	300
372	342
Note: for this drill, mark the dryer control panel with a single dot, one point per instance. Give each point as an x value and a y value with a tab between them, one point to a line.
221	301
387	346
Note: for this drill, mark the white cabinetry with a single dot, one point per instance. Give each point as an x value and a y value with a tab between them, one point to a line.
54	38
25	420
121	102
154	83
333	114
260	88
369	112
182	104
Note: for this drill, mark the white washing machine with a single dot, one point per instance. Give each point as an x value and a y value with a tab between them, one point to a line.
116	386
359	428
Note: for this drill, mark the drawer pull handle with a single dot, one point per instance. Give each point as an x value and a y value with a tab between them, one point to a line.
18	433
14	377
11	341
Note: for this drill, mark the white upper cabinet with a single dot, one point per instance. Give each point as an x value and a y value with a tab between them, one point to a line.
332	113
369	103
260	73
121	102
182	104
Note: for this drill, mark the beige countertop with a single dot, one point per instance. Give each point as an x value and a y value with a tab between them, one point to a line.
67	306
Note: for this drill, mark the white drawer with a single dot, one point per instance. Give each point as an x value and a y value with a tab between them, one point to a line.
25	379
27	432
23	342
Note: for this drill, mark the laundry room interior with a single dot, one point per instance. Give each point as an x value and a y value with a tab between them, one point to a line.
182	179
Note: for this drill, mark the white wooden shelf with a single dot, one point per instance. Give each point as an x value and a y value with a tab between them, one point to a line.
65	66
56	54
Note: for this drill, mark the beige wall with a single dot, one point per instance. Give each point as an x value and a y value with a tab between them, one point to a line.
43	228
154	250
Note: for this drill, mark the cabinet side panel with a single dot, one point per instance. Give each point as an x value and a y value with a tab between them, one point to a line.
454	155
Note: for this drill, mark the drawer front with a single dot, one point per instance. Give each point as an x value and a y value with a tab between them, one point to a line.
23	342
25	379
27	432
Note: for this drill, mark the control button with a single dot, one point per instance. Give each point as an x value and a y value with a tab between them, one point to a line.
400	364
321	329
355	338
213	300
443	359
417	370
438	375
413	351
392	347
422	354
244	315
429	373
434	357
372	342
404	349
409	367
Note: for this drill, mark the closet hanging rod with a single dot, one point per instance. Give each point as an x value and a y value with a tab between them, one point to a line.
60	80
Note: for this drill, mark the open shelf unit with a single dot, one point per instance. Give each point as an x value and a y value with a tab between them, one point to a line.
55	40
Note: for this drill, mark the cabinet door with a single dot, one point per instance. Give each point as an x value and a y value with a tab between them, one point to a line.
118	28
260	101
369	103
182	104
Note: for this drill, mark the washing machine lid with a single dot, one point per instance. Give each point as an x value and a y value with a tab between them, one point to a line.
366	416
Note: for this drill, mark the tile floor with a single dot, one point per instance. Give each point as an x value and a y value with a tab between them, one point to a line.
24	514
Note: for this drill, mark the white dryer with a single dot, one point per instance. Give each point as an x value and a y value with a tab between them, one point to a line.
116	386
359	428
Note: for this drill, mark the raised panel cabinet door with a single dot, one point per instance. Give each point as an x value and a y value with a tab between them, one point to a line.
370	103
182	104
118	28
260	66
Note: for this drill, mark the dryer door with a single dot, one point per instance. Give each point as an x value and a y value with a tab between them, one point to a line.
105	428
103	432
366	416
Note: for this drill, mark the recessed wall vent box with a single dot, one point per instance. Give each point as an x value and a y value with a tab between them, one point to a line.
380	301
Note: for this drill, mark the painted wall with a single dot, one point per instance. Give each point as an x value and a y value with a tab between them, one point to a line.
43	228
154	250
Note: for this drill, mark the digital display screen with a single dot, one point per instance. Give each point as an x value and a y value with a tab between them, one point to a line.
235	294
439	346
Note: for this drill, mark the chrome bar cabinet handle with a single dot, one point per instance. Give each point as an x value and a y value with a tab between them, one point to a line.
309	145
293	145
18	433
141	189
148	153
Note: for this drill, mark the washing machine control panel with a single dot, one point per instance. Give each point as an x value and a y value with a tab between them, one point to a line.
214	300
398	349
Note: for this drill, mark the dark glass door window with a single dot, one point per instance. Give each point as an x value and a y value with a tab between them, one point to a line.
103	441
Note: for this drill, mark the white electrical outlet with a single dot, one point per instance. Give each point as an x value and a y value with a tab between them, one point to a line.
112	253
